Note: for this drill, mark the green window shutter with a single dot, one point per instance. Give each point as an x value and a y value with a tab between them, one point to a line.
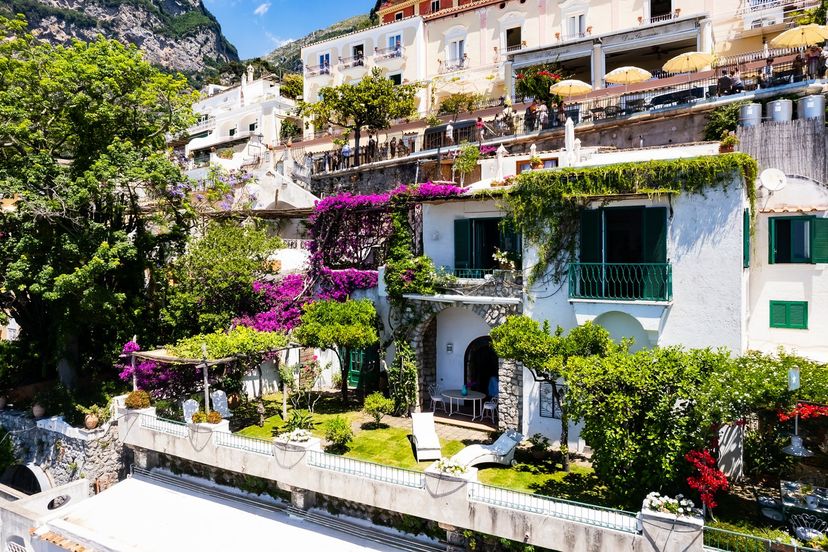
478	238
655	235
746	239
778	314
798	315
462	243
819	240
771	241
590	244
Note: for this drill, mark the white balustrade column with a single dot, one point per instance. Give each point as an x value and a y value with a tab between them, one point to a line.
599	65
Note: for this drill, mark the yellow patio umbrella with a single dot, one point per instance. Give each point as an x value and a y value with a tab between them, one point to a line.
627	75
570	87
688	62
804	35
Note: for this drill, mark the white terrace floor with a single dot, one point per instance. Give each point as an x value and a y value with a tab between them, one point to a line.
148	516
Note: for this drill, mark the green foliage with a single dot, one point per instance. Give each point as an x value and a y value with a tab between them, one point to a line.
299	419
338	433
289	130
534	82
7	457
101	412
371	104
213	281
137	400
763	453
377	405
241	341
467	160
525	340
460	102
637	415
402	378
331	325
545	205
722	120
293	86
405	273
82	261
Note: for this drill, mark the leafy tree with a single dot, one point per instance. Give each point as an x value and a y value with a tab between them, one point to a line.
402	378
722	120
534	82
460	102
334	325
467	160
371	104
213	281
101	208
377	405
293	86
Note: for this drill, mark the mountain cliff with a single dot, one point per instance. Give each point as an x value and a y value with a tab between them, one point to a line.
176	34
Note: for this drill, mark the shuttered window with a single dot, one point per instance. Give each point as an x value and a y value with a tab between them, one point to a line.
797	240
591	241
746	239
462	243
819	240
789	314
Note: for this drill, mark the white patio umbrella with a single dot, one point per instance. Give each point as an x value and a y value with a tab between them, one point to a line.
628	75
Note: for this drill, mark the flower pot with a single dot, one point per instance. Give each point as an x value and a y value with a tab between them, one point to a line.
726	149
536	166
90	421
38	411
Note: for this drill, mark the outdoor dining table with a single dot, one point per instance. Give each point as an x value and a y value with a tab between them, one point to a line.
794	501
457	395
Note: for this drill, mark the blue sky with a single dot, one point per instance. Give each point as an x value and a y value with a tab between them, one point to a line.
256	27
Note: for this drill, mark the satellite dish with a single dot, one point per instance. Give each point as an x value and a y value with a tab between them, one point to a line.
773	180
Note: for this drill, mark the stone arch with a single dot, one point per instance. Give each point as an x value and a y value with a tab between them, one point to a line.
29	478
621	325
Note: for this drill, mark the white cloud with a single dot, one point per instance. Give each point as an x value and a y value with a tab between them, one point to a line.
262	9
278	42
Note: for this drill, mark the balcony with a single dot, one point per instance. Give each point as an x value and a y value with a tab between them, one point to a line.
659	18
349	62
759	14
621	281
316	70
201	126
452	65
384	54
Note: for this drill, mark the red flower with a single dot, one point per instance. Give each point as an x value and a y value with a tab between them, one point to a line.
710	478
519	76
805	411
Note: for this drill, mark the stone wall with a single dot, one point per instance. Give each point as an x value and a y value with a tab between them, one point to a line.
96	455
368	179
509	400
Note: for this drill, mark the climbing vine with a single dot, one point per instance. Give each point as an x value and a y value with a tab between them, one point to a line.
545	205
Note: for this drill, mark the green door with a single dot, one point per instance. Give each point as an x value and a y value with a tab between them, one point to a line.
590	276
654	270
462	244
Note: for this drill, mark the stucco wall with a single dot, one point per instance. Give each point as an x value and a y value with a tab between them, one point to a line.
438	226
459	327
788	282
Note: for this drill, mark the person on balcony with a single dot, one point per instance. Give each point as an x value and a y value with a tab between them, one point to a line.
766	75
449	134
813	55
737	84
543	116
346	156
561	114
531	115
798	65
393	147
372	148
480	128
724	84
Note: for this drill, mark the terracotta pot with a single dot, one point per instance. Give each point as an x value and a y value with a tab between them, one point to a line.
233	400
726	149
38	411
90	421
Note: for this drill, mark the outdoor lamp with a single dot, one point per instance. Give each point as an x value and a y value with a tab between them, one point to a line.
793	378
796	447
449	347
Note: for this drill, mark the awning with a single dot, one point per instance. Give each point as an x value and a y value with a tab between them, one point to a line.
795	209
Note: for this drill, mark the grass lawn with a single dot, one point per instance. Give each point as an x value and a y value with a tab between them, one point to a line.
390	446
515	478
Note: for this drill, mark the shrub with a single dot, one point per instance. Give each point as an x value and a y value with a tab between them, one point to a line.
199	417
299	420
402	378
377	406
338	433
213	417
137	400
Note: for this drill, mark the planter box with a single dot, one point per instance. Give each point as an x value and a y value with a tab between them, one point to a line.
314	443
470	475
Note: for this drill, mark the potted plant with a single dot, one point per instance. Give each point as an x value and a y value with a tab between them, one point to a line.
535	162
137	400
728	142
540	446
503	260
40	403
93	415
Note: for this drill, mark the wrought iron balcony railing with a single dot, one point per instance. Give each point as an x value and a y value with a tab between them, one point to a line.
382	54
621	281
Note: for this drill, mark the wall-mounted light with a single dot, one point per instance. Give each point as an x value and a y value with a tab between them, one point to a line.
435	236
449	347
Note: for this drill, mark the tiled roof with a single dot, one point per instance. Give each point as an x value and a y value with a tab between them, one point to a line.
357	32
63	542
458	9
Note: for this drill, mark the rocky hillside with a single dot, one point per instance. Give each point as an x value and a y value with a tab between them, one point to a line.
177	34
287	58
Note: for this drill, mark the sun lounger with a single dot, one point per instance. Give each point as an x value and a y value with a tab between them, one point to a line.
501	451
426	442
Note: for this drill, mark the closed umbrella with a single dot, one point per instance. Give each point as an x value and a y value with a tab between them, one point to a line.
803	35
688	62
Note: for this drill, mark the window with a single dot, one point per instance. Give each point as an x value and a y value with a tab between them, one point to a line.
577	25
660	8
746	239
398	16
456	51
253	126
551	396
232	132
396	79
797	240
394	42
789	314
476	241
513	39
435	6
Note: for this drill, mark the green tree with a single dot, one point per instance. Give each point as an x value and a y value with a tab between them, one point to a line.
371	104
101	208
293	86
339	327
467	160
722	120
460	102
213	281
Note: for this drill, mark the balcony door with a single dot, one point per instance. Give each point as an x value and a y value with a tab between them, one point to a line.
624	253
660	8
456	51
475	243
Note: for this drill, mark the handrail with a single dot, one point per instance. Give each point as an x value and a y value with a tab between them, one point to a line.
243	442
723	540
160	425
621	281
368	470
601	516
381	54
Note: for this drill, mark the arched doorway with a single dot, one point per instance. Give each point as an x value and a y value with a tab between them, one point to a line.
621	325
29	479
480	364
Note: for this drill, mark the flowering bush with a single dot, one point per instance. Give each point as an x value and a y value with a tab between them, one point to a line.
296	436
678	506
709	479
451	467
805	411
534	82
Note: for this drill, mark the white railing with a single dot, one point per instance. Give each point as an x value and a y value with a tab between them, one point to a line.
159	425
14	547
207	124
240	442
589	514
368	470
756	6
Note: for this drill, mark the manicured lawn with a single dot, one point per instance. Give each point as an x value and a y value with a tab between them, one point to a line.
391	446
514	478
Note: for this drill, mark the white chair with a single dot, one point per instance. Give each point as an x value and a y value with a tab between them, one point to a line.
807	527
219	400
501	451
426	442
190	407
491	407
436	398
